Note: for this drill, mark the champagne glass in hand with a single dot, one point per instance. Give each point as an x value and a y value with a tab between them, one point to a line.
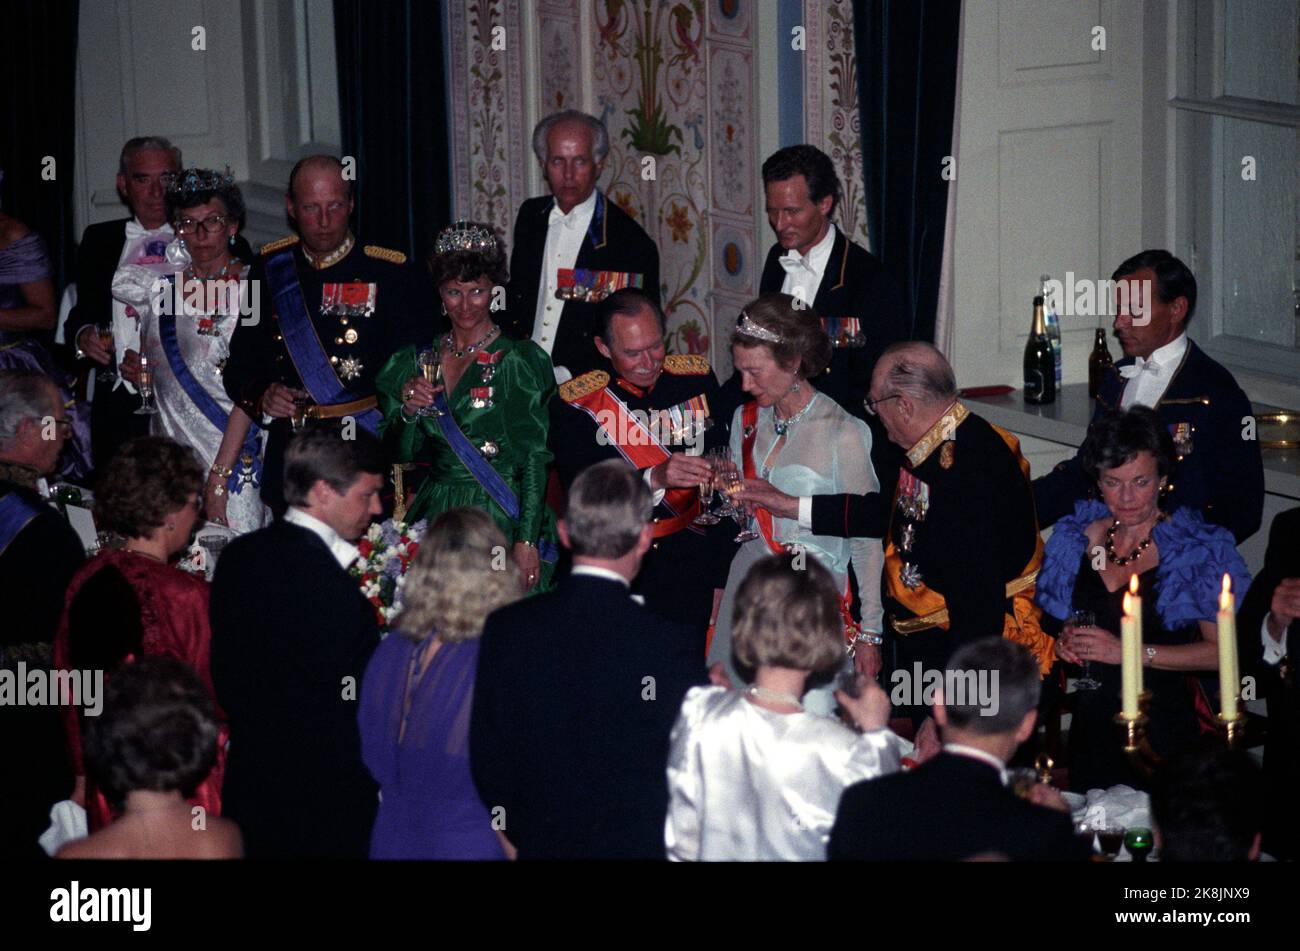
732	482
1078	619
430	362
706	492
145	385
108	373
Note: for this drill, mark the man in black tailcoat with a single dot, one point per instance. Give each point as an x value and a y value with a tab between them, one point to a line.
656	411
362	303
1266	623
572	248
1219	470
291	636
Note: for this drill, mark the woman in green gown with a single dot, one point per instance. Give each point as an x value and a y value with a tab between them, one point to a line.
489	449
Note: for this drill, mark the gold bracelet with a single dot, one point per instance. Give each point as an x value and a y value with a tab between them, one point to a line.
224	472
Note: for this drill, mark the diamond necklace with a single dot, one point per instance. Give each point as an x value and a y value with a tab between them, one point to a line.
449	343
782	426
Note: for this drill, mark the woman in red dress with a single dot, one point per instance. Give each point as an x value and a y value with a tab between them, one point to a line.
130	601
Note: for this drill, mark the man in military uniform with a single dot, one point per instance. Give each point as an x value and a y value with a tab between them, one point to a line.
654	411
1219	470
572	248
332	312
962	548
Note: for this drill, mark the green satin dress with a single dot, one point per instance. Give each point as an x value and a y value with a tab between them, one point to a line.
516	424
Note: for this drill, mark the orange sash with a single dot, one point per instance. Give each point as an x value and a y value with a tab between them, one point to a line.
1023	625
642	452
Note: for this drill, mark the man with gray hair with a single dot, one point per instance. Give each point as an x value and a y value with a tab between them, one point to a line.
39	553
957	806
961	542
577	691
574	248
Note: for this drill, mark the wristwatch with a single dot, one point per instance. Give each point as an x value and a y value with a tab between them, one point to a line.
1151	656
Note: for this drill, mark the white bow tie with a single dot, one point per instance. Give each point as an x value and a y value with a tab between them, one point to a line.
1140	365
795	263
570	220
134	230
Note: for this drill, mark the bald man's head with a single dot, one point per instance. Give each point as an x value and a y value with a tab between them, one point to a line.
320	202
918	371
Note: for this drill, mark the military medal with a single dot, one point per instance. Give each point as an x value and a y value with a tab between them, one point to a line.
355	299
844	332
583	284
489	449
480	397
907	537
349	368
947	455
1182	436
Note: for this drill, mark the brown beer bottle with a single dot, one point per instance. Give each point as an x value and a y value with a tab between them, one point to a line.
1099	362
1040	361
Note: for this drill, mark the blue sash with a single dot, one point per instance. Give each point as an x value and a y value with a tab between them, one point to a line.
483	473
304	346
15	513
204	402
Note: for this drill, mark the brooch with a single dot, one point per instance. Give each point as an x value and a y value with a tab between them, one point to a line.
350	368
488	449
910	575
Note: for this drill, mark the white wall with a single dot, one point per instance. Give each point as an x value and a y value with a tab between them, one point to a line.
1059	168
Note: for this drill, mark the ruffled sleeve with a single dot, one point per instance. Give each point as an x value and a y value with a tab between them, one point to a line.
403	438
1055	586
1194	556
527	385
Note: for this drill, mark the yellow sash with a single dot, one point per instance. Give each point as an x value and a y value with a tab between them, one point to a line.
1022	625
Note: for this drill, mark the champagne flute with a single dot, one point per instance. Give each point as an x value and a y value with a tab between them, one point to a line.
706	492
107	373
301	403
430	362
720	459
145	385
1083	618
733	482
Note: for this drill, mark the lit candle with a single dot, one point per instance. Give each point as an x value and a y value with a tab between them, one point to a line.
1130	636
1228	678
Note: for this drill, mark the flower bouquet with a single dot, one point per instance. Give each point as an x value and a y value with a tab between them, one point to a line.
384	553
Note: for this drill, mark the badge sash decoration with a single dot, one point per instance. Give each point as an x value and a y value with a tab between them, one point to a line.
475	462
304	346
749	416
844	332
15	513
593	286
905	584
250	471
643	452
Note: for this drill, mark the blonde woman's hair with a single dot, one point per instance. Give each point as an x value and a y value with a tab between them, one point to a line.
788	615
461	574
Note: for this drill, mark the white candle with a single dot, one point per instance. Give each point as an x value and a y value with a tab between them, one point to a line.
1130	636
1228	677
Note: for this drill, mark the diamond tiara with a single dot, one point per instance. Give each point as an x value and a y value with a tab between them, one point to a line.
465	236
197	180
748	328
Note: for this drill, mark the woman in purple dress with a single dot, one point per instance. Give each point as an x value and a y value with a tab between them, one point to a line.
417	692
27	308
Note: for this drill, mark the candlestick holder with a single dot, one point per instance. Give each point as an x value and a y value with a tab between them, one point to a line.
1134	732
1233	730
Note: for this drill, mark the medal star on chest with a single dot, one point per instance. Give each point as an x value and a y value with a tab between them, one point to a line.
349	368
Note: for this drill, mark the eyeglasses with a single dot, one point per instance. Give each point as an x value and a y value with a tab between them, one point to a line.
210	224
870	405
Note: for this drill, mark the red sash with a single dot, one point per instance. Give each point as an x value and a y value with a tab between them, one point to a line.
749	416
642	453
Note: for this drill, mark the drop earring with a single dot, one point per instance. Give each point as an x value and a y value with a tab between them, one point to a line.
231	242
795	387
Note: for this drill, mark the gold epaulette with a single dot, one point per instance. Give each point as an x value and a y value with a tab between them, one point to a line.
385	254
279	244
686	364
581	386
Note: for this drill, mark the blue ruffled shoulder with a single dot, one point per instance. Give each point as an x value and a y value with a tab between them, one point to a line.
1194	556
1055	587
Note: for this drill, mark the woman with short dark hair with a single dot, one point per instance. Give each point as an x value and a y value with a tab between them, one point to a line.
131	601
486	437
1179	561
752	775
151	747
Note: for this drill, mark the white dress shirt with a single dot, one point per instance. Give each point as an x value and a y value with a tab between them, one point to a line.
564	234
344	551
803	273
126	329
1148	379
1274	651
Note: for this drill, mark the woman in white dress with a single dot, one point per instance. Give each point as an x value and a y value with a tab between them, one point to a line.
186	342
803	443
752	775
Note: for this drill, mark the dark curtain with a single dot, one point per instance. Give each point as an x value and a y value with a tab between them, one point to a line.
392	100
38	81
907	81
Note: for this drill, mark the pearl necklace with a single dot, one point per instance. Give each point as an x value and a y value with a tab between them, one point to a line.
449	343
1136	553
774	696
782	426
